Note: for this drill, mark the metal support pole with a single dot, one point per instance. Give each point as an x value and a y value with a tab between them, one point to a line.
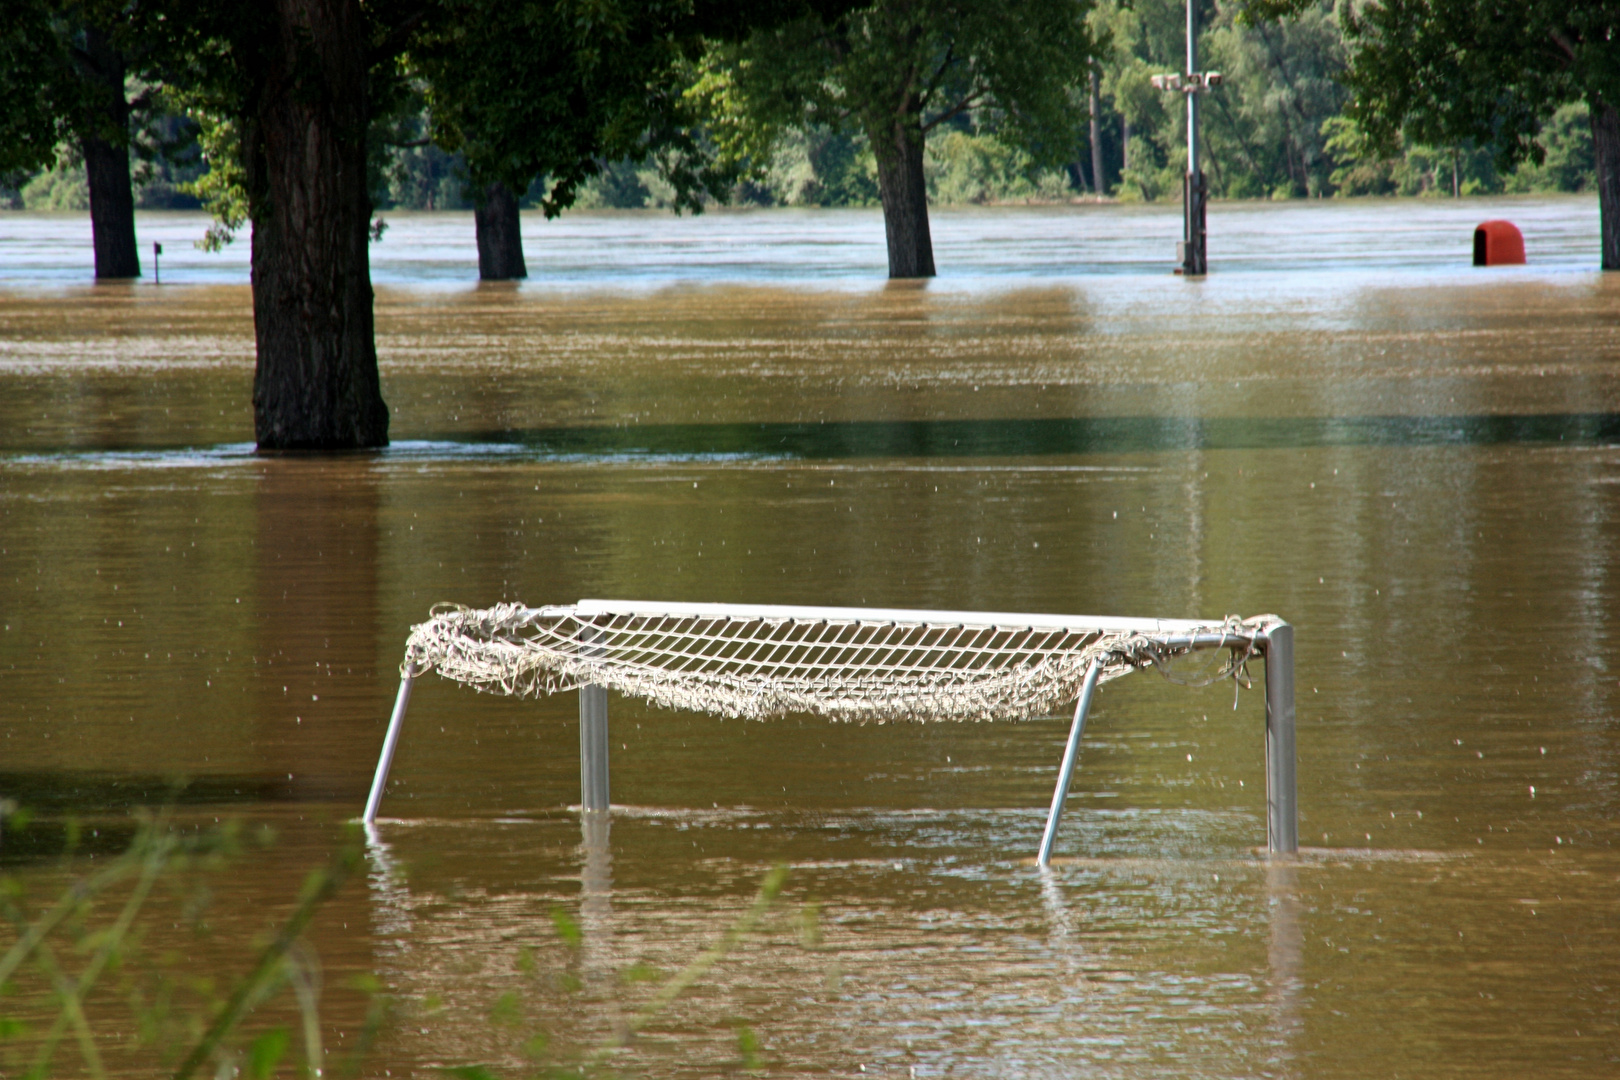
593	734
1193	249
1282	805
386	760
593	748
1194	191
1192	98
1066	773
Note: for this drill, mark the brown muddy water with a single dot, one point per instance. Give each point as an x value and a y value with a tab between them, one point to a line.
1414	462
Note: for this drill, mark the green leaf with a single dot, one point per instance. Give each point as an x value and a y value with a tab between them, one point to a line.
640	972
470	1072
567	928
748	1046
810	925
366	983
266	1052
11	1028
507	1010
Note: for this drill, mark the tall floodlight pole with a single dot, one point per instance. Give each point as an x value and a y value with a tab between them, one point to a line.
1193	259
1191	252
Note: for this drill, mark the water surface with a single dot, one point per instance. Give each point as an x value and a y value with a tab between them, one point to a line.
1412	461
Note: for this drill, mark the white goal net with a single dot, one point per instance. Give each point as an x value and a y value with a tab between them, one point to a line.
851	664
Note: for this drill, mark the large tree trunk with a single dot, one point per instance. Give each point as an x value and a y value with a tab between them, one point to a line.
500	244
904	191
105	144
1606	140
316	384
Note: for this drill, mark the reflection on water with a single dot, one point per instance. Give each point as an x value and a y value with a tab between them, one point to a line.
1416	470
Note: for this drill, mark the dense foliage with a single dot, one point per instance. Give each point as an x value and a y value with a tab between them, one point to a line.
1283	125
894	73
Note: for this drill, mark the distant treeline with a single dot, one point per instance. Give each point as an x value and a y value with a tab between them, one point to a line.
1276	128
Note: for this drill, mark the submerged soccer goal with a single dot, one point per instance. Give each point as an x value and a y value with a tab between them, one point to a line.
866	665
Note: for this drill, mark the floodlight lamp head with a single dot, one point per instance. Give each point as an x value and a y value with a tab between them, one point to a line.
1166	82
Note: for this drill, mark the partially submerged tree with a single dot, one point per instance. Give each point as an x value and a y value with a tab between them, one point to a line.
1446	72
64	68
898	69
498	233
297	87
553	90
556	90
104	142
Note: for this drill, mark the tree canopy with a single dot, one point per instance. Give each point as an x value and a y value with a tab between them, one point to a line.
33	60
896	70
66	67
1493	72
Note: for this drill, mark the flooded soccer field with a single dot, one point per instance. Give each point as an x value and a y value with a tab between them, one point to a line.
1413	461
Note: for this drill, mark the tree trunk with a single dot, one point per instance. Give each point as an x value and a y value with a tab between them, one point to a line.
316	385
904	191
1606	140
105	145
500	244
1098	185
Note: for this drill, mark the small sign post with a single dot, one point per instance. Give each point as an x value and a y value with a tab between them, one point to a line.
157	274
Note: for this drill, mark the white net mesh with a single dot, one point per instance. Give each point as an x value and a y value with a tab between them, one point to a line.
842	664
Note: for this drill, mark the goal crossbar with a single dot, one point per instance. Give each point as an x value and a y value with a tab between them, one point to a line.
754	661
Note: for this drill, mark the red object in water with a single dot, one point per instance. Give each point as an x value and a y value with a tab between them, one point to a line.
1498	243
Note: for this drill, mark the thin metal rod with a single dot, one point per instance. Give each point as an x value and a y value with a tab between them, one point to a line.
588	609
386	760
1282	801
593	732
593	748
1066	773
1192	97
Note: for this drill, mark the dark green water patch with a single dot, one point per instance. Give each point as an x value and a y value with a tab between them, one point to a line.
1046	437
53	793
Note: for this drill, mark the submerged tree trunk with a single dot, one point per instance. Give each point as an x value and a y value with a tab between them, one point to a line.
904	191
105	145
1099	186
316	385
500	244
1606	140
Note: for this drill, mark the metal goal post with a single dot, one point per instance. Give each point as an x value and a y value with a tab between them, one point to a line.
844	663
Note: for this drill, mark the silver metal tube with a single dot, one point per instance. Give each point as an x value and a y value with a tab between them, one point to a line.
1192	98
1066	773
1282	805
593	734
386	760
593	747
590	609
